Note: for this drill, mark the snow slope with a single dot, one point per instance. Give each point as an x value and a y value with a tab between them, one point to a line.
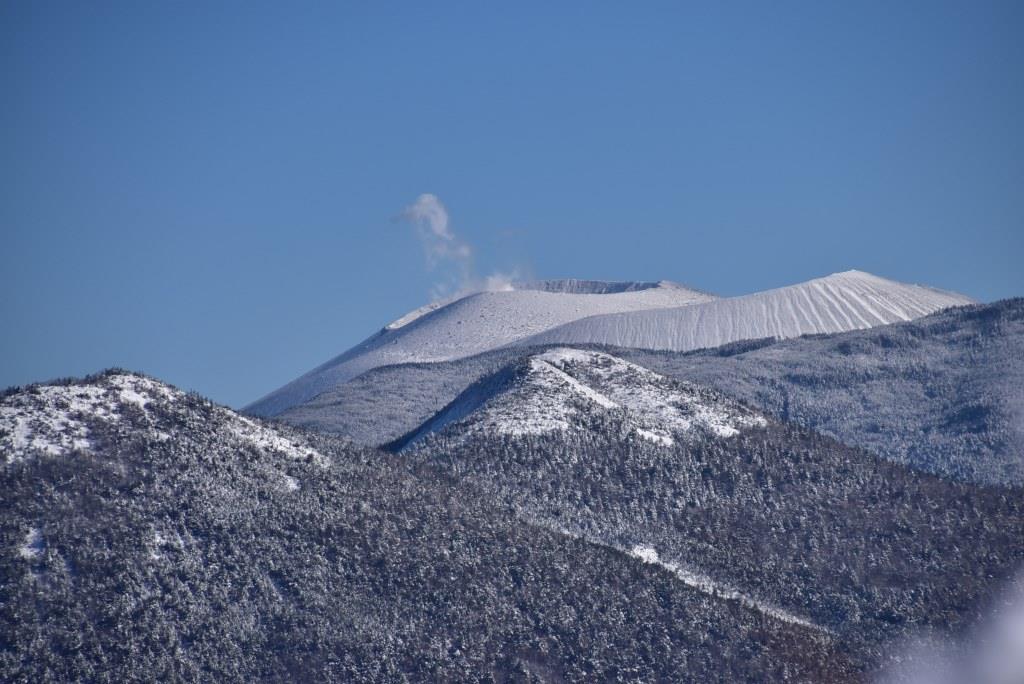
562	388
477	323
59	420
836	303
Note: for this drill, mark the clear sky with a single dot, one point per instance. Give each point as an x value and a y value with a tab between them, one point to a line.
213	193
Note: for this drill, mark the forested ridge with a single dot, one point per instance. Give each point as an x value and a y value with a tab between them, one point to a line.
192	559
149	534
867	548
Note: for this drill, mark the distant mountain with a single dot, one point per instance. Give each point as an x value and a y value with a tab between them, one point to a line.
475	323
386	403
563	389
654	315
147	534
844	301
942	393
751	511
575	286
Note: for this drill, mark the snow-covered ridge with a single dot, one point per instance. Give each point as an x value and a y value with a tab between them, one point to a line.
841	302
560	286
60	419
559	388
54	419
649	555
574	286
264	438
477	323
648	315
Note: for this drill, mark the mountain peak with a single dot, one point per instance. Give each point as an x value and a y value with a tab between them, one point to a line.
63	418
644	314
475	323
561	389
850	300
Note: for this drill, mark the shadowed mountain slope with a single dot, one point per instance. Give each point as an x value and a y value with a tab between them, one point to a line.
147	534
786	520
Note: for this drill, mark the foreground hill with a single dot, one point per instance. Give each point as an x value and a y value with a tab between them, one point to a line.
790	522
475	323
147	534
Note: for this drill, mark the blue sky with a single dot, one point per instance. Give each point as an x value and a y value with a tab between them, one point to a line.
212	192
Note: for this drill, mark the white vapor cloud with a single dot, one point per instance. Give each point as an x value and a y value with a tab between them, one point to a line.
430	219
991	653
448	257
500	282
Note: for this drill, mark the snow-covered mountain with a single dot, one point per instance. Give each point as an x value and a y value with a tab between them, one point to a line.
564	388
150	533
90	415
648	315
476	323
837	303
220	546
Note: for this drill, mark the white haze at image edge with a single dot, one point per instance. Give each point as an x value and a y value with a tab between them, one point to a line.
992	653
448	256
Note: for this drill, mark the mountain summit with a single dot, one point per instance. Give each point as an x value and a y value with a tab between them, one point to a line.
648	315
563	389
840	302
477	323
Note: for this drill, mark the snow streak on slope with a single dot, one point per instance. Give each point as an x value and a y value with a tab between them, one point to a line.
703	583
59	419
665	406
695	580
477	323
560	388
837	303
